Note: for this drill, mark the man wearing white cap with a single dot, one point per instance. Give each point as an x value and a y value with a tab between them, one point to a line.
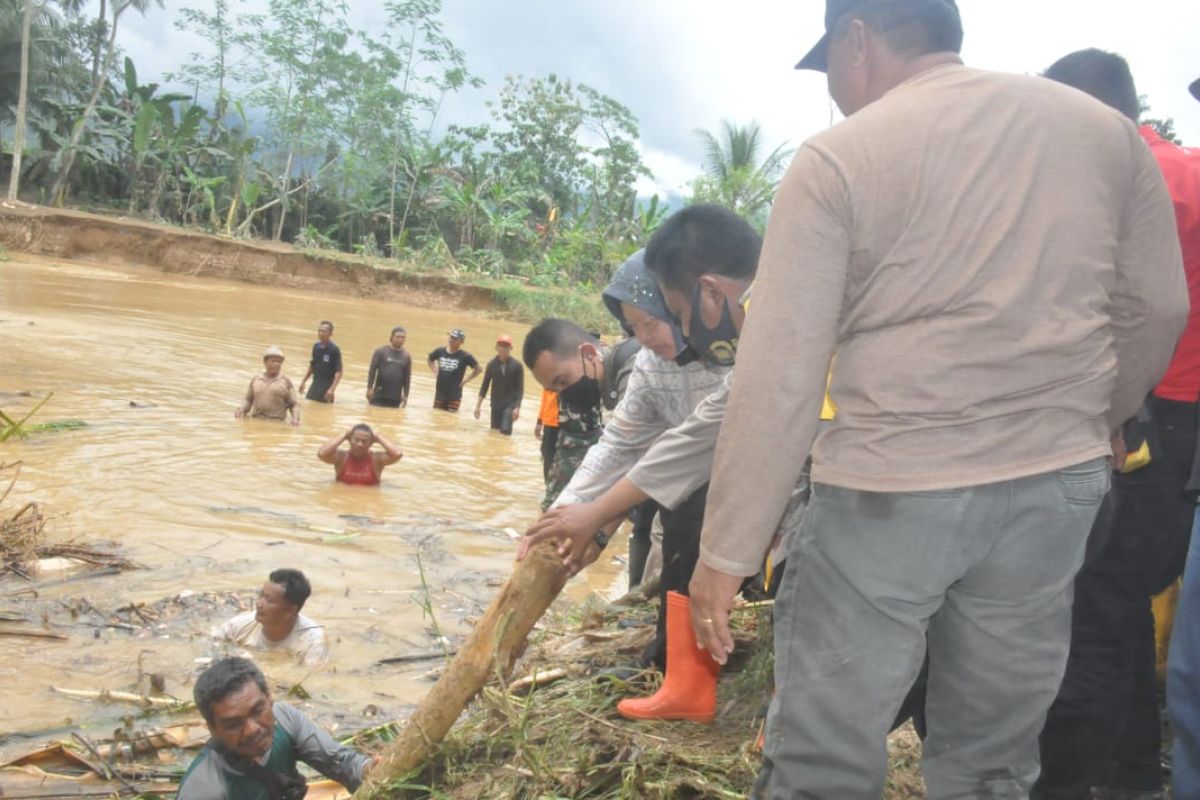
272	394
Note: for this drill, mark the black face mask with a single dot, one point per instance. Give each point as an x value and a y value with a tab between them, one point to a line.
717	346
584	394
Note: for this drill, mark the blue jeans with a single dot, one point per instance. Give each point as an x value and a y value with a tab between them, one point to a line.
1183	677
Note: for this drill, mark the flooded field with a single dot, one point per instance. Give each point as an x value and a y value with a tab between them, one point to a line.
155	366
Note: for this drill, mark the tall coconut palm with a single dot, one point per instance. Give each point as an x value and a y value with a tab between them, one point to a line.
14	178
52	67
734	176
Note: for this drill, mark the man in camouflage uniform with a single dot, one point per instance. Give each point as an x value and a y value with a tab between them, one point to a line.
567	359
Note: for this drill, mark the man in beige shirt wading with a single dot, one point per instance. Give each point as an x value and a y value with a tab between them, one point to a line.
994	260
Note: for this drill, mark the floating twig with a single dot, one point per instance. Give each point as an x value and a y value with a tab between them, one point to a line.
33	634
168	703
411	657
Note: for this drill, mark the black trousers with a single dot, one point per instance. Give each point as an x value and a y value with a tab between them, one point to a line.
1104	727
549	445
502	418
639	540
681	551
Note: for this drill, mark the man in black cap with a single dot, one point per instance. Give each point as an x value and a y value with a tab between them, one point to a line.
1000	298
1104	728
450	365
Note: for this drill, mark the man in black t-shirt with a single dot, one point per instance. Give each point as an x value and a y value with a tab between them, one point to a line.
506	378
450	364
325	368
390	373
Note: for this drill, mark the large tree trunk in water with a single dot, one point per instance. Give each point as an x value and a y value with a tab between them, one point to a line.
495	644
14	180
56	192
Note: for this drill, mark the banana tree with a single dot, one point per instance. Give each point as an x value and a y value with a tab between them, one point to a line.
67	160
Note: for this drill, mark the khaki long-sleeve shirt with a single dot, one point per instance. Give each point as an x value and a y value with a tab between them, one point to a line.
994	260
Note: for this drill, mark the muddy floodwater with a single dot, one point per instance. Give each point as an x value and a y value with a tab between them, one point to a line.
155	366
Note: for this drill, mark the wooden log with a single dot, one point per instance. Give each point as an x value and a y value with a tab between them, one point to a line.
169	703
489	652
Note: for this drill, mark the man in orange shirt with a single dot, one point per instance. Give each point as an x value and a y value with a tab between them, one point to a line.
547	430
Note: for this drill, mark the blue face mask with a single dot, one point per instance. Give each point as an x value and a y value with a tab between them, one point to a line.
716	346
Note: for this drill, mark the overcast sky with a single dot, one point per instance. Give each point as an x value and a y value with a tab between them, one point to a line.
687	64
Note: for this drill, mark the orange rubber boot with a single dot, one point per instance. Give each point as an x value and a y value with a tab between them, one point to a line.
689	689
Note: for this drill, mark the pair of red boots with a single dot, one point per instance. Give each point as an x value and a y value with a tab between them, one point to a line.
689	687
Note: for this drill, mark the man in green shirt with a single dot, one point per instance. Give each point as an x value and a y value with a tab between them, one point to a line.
256	742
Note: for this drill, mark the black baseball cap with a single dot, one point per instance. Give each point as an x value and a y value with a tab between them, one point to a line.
457	333
817	58
1195	88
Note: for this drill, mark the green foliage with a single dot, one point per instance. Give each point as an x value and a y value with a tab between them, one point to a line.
1163	127
734	177
346	156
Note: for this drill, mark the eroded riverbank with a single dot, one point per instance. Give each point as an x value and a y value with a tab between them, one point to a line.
123	241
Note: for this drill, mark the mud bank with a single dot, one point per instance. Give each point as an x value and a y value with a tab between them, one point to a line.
62	233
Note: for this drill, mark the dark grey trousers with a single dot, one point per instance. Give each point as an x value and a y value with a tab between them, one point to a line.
984	573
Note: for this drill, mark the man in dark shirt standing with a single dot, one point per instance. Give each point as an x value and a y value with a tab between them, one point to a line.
506	377
325	368
390	373
450	364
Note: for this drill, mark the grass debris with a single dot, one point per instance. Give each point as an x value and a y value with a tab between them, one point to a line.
566	740
23	540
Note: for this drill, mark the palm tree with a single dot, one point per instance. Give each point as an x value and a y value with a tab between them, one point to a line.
734	177
14	178
53	68
119	7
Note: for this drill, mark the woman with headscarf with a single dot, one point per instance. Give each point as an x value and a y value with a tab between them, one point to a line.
662	391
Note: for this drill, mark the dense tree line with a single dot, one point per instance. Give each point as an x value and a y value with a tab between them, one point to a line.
298	128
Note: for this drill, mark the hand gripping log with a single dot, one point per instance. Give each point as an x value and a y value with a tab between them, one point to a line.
497	641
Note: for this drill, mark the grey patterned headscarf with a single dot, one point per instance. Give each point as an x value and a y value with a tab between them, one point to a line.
632	283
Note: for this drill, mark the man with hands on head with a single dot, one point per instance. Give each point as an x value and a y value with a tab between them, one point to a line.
359	464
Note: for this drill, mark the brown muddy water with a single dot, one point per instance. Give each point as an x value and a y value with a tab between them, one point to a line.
155	365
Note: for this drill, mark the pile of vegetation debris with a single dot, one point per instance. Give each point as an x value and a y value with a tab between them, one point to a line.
25	551
555	731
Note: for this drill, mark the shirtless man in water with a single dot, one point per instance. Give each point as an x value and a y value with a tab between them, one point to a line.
359	464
